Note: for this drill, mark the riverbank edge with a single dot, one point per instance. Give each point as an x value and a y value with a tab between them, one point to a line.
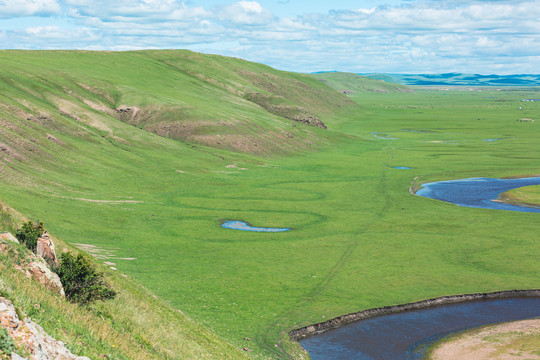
315	329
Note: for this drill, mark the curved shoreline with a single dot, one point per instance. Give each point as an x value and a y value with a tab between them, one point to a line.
485	342
339	321
509	197
245	226
475	192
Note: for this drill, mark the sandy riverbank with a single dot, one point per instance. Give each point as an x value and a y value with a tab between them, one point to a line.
513	340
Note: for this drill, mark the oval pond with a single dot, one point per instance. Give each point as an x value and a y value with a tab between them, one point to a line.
244	226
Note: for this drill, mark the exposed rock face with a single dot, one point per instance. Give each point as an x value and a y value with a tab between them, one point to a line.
32	337
7	236
45	249
127	113
38	269
309	120
42	274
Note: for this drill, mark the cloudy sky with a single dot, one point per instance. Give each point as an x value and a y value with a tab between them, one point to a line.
389	36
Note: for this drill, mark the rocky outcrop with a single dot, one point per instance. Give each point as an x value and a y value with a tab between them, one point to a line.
291	112
45	249
31	337
349	318
35	267
7	236
309	120
42	274
127	113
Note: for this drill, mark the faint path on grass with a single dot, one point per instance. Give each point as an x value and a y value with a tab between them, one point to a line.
265	337
101	201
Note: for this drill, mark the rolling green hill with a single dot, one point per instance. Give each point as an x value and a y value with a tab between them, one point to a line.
199	99
353	83
143	155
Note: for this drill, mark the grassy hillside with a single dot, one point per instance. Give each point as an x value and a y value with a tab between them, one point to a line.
354	83
201	99
359	238
136	325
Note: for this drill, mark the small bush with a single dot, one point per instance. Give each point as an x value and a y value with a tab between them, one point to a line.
82	283
6	343
29	233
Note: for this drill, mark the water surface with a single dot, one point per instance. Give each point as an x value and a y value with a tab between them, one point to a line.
478	192
379	135
243	226
407	335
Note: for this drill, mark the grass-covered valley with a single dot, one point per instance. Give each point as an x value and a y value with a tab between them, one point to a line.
144	154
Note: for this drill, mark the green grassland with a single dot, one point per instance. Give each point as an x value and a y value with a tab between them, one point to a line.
360	239
527	195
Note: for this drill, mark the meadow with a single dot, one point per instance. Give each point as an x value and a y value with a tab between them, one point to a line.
359	238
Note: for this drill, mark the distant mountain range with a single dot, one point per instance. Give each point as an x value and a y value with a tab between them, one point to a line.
459	79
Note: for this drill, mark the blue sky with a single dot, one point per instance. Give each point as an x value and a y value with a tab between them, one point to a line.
392	36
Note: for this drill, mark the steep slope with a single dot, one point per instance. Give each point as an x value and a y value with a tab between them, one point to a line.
135	325
211	100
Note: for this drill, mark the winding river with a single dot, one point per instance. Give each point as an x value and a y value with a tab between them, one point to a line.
478	192
407	334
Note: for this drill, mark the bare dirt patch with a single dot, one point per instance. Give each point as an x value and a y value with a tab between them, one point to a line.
507	341
101	254
54	139
99	107
102	201
81	114
233	166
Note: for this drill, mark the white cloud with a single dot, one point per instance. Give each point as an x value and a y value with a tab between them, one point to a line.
366	11
28	8
454	35
245	13
251	6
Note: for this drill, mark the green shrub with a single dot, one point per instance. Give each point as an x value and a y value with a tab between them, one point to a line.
29	233
6	343
82	283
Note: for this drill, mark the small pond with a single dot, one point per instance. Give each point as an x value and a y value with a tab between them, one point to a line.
477	192
402	167
243	226
408	334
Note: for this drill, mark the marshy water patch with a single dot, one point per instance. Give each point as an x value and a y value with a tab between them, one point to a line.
244	226
379	135
478	192
419	131
402	167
